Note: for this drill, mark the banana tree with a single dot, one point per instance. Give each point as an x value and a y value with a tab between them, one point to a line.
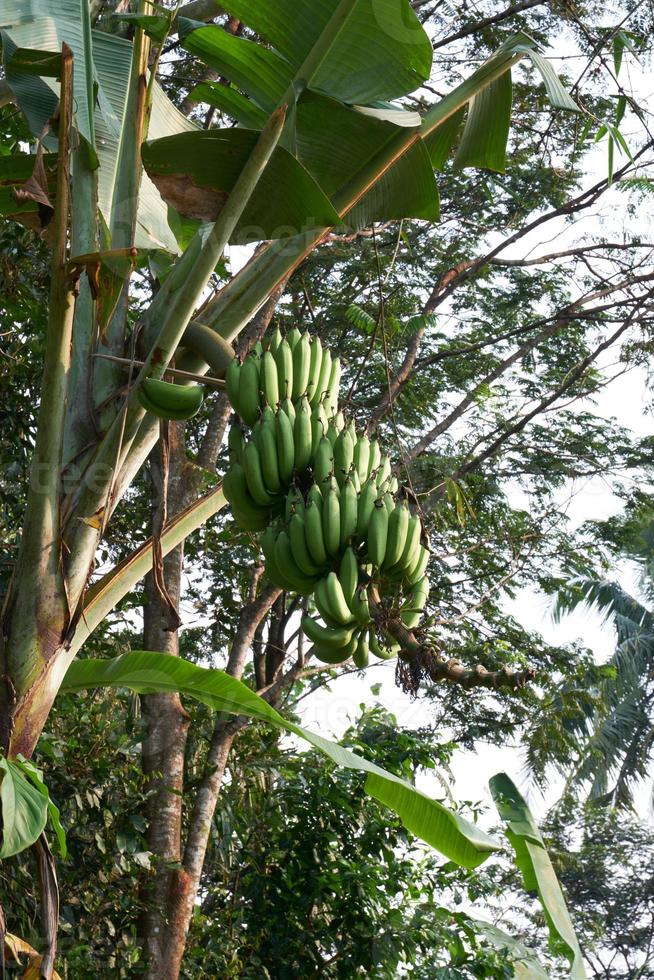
321	143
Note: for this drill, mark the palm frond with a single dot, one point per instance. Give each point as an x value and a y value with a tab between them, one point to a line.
605	596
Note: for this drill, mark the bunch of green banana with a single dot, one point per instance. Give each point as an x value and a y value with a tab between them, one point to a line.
285	369
280	447
341	600
393	540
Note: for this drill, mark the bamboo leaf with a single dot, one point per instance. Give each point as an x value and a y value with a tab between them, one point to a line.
147	672
537	872
195	173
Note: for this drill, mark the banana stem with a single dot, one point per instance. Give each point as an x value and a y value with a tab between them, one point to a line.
36	605
418	661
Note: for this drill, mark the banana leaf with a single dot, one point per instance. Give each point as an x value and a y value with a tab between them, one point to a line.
147	672
536	868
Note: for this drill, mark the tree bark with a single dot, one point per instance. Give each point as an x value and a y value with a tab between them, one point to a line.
185	881
167	721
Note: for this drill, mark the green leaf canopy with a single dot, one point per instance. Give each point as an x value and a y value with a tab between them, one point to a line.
147	672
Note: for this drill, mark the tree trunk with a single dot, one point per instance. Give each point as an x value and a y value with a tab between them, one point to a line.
166	720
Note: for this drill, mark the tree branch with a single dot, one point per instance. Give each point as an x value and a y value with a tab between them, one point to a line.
488	22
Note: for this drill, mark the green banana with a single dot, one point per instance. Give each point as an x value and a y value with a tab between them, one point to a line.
269	381
334	387
297	537
323	462
249	397
338	419
285	446
343	455
360	606
315	363
275	340
284	361
235	442
361	457
314	496
322	605
377	534
328	656
389	503
326	637
293	336
331	520
216	351
398	526
366	505
411	611
302	584
268	541
288	407
302	435
349	512
409	554
375	457
318	426
314	533
254	475
348	574
383	472
361	655
323	378
301	366
417	570
247	513
269	457
336	604
233	384
175	403
380	650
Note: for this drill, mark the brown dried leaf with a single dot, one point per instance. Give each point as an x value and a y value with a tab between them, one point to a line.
179	191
